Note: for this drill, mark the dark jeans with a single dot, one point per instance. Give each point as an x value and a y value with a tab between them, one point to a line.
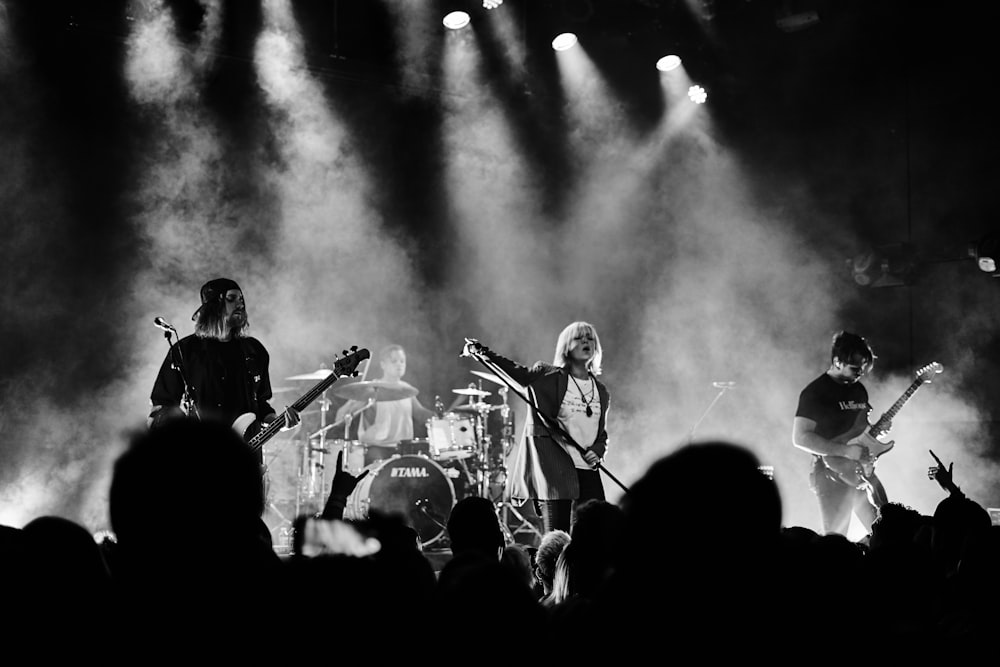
558	514
837	501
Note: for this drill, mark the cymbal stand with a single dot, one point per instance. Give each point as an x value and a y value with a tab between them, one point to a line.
312	489
497	471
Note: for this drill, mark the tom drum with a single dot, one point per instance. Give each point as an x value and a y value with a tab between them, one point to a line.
451	437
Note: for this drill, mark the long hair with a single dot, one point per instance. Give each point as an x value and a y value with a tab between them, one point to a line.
566	340
210	321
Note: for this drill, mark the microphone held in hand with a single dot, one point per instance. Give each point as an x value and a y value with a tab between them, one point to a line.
163	324
471	348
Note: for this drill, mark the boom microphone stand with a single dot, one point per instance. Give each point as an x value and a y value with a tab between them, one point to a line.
723	387
189	402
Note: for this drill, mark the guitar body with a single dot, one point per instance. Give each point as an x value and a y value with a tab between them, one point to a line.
247	426
853	472
861	473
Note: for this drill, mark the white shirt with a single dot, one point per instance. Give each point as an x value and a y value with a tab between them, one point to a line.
393	422
573	416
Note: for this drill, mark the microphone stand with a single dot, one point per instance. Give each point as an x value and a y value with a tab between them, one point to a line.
723	388
189	402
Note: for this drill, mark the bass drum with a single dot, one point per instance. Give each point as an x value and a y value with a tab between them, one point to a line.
414	487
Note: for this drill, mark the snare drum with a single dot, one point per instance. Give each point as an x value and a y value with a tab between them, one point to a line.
412	486
354	455
416	447
451	437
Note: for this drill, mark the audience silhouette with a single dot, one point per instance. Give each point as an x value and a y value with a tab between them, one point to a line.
693	558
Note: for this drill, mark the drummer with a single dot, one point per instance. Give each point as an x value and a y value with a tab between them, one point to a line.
387	422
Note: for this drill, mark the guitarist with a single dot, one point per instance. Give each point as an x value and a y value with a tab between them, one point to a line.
226	369
833	408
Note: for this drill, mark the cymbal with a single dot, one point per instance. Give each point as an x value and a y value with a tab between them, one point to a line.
375	389
489	376
471	392
321	374
476	407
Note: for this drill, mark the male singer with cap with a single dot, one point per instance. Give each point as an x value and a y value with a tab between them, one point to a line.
226	370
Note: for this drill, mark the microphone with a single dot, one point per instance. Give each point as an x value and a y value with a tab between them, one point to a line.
470	348
724	385
161	323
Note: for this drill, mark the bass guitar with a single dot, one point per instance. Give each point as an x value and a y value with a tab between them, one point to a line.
256	435
861	473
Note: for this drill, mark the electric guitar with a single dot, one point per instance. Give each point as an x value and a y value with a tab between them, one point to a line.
861	473
256	435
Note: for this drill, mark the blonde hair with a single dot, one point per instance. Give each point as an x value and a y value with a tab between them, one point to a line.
210	322
565	341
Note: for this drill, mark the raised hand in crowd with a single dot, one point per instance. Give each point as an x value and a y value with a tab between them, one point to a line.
943	476
342	486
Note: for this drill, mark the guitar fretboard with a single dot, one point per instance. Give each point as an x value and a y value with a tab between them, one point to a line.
341	368
887	416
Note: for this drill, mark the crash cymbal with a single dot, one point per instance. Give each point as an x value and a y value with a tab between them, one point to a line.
375	389
476	407
321	374
489	376
472	392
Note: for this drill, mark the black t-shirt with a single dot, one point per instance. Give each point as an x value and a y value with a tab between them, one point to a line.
832	405
230	378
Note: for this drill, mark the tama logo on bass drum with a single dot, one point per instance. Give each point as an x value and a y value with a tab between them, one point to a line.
409	472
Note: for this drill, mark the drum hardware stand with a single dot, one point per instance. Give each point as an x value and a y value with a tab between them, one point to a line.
492	471
312	472
281	534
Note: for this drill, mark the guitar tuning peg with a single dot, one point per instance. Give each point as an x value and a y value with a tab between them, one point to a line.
345	353
354	348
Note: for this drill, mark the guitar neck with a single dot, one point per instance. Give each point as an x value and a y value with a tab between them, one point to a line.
887	416
304	401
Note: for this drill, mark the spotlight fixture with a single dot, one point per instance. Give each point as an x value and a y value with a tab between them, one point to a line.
668	63
105	535
566	40
985	251
492	4
697	94
456	20
884	266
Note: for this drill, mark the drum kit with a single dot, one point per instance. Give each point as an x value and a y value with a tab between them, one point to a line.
424	479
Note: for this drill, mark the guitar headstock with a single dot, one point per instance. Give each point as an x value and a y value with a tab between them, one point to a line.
348	364
927	373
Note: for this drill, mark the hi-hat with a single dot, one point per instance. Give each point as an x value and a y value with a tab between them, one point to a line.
471	392
489	376
321	374
375	390
476	407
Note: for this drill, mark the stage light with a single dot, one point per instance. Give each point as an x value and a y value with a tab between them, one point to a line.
985	252
456	20
697	94
492	4
884	266
566	40
105	535
668	63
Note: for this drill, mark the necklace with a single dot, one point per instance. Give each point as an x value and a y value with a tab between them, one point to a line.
593	390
